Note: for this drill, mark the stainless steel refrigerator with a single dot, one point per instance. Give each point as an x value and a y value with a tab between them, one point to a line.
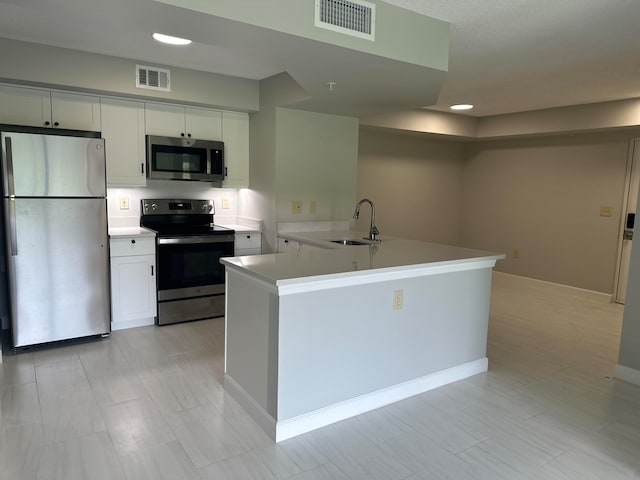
55	216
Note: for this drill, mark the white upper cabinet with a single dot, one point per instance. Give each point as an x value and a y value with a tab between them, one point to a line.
123	133
235	135
42	108
76	112
177	121
203	124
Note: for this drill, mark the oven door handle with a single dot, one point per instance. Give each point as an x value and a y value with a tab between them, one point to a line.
195	239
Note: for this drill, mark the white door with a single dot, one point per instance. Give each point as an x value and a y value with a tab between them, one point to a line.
628	220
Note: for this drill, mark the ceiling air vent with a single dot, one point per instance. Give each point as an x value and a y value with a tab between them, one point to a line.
153	78
353	17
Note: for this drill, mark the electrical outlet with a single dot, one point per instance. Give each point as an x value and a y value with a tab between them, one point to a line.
296	206
398	297
124	203
312	206
225	202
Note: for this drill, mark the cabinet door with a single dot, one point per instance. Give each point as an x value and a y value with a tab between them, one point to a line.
285	246
235	135
248	244
123	132
133	288
164	120
24	106
204	124
75	112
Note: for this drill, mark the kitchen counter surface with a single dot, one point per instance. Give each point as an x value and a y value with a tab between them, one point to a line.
239	228
115	232
332	261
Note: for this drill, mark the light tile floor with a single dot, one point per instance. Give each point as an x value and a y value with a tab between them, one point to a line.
148	403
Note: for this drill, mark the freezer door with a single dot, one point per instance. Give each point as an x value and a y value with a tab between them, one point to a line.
58	273
53	165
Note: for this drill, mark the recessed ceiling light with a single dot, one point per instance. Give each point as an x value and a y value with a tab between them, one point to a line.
461	106
160	37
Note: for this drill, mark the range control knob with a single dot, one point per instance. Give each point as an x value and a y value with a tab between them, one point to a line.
154	207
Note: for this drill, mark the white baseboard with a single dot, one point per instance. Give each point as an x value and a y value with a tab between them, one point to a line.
627	374
138	322
579	292
291	427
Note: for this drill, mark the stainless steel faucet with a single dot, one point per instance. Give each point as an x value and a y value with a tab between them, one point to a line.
373	230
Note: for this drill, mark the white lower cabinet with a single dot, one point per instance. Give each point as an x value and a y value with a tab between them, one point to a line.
133	282
286	245
248	243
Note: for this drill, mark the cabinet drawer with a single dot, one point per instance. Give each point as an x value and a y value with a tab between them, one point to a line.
123	247
248	241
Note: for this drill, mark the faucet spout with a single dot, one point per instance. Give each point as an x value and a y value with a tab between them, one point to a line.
373	230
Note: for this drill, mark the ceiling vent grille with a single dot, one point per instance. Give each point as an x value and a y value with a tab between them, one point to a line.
353	17
153	78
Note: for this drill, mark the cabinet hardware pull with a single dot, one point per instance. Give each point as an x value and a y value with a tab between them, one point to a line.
56	124
142	168
47	123
152	270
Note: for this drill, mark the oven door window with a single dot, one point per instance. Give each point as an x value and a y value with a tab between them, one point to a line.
191	265
172	159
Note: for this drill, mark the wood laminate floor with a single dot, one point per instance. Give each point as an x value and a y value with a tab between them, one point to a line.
148	403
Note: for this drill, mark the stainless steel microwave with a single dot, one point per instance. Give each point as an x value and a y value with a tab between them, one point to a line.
185	158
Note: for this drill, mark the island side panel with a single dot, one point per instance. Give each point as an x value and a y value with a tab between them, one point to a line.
251	355
338	344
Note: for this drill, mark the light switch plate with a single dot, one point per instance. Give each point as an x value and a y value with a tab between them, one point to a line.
606	211
124	203
225	202
296	206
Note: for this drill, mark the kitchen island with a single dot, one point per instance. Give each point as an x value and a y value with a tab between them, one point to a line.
322	334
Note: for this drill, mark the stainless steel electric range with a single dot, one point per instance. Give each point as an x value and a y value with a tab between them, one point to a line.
188	250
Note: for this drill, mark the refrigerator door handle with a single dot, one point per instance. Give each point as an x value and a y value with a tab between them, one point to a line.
12	227
8	172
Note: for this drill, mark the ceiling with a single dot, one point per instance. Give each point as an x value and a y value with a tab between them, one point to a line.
505	55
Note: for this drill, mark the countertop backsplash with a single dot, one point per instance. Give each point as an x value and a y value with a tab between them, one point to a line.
168	189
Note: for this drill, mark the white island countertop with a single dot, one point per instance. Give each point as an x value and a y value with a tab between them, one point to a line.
334	262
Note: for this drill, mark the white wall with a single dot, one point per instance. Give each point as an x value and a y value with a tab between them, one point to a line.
167	189
316	160
415	183
541	197
39	65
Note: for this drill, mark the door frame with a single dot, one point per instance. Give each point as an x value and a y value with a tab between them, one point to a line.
633	166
